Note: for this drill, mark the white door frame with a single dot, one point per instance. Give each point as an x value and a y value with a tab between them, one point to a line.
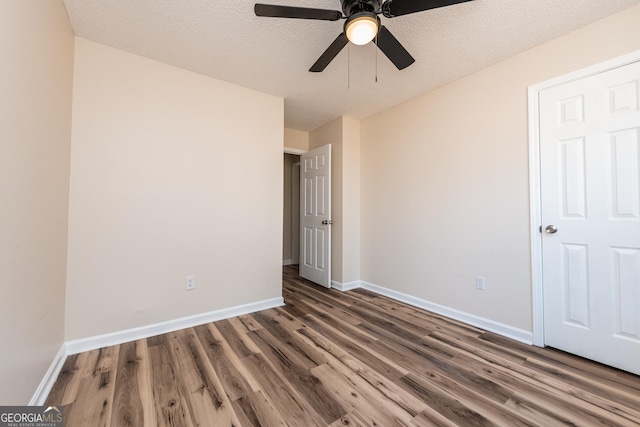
534	179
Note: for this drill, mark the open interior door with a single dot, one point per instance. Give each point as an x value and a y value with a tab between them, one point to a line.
315	216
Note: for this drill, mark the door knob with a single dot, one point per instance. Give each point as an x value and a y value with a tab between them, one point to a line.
551	229
326	222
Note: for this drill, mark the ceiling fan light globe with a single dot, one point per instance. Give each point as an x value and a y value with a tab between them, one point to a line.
362	30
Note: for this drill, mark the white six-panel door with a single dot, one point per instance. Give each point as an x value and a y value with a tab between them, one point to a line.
590	194
315	215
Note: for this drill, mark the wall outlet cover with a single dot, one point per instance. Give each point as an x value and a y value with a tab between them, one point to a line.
190	283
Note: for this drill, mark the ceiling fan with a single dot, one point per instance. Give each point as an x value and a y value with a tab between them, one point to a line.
362	24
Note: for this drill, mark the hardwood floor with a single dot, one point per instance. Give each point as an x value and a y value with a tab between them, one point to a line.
329	359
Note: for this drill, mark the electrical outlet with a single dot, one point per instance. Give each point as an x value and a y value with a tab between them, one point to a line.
480	283
191	283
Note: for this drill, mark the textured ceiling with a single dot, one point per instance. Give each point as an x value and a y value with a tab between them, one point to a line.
224	39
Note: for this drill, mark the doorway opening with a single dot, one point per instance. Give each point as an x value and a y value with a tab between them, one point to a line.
291	210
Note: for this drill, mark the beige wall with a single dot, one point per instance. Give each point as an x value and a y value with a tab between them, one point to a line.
445	192
350	200
296	139
168	181
35	133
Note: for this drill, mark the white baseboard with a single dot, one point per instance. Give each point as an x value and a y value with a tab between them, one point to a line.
49	379
287	262
92	343
471	319
119	337
344	287
114	338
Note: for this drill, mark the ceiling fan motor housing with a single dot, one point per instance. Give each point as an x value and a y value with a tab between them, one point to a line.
351	7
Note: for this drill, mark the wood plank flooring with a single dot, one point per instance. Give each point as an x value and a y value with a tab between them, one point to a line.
335	359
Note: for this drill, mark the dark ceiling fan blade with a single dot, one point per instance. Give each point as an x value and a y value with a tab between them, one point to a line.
393	8
391	47
328	55
276	11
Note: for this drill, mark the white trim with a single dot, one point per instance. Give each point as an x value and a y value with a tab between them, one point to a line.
344	287
298	151
471	319
592	70
535	219
287	262
535	213
119	337
49	378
